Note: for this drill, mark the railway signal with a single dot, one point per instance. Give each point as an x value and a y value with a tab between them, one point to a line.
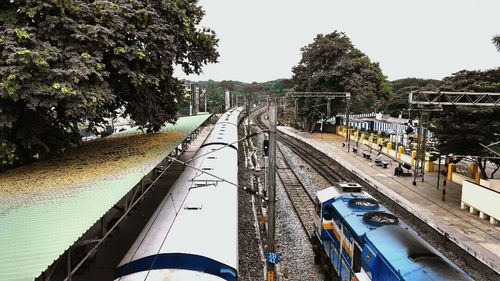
265	147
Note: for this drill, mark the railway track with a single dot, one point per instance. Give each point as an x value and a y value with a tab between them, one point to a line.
316	159
302	201
325	167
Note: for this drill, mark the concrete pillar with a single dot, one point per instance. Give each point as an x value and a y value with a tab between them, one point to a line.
493	220
473	169
362	139
413	155
401	149
451	170
379	141
472	210
477	177
463	206
429	166
482	215
370	141
389	147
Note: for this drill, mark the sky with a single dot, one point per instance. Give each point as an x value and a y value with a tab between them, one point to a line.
260	40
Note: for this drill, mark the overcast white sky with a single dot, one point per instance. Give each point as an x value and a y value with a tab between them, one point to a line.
260	40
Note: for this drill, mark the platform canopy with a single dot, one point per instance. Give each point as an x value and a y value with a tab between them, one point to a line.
45	207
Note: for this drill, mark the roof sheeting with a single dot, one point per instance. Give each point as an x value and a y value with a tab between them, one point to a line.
35	229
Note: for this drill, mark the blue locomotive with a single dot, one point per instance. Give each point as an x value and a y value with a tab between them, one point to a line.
363	241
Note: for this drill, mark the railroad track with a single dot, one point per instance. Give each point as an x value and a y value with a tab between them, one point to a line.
316	159
323	165
302	201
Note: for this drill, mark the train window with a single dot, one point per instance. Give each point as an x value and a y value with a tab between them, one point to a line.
328	212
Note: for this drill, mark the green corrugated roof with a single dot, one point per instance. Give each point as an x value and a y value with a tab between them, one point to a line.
35	230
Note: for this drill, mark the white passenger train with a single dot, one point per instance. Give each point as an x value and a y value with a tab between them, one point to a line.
193	235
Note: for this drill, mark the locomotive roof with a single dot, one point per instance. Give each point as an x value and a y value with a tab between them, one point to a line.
353	217
411	256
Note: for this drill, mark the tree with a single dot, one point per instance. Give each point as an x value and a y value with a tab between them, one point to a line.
401	88
461	130
496	42
215	98
65	63
332	63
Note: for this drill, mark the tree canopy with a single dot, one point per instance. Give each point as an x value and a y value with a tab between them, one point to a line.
401	88
496	42
332	63
460	130
67	63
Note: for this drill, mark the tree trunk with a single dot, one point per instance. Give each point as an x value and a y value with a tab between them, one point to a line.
482	168
494	171
313	127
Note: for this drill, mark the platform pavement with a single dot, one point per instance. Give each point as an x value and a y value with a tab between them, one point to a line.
471	233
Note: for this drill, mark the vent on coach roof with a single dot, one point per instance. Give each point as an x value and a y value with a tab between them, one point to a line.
380	218
207	169
193	206
363	203
212	157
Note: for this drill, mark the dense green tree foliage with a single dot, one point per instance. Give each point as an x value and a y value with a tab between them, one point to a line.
460	130
496	41
65	63
401	88
332	63
215	98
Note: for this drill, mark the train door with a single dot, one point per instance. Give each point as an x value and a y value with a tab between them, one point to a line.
356	258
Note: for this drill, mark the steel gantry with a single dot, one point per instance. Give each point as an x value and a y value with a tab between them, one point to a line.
428	101
433	98
329	96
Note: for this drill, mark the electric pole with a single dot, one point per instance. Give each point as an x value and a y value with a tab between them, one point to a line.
271	211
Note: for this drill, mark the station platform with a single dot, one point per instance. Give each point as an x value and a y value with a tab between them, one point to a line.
478	237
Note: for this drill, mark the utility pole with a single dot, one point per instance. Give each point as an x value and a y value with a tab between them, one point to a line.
296	111
271	188
205	98
348	135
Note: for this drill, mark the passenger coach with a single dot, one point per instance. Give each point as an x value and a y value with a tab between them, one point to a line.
193	235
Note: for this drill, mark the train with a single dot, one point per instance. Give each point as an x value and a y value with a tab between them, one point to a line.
193	234
361	240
